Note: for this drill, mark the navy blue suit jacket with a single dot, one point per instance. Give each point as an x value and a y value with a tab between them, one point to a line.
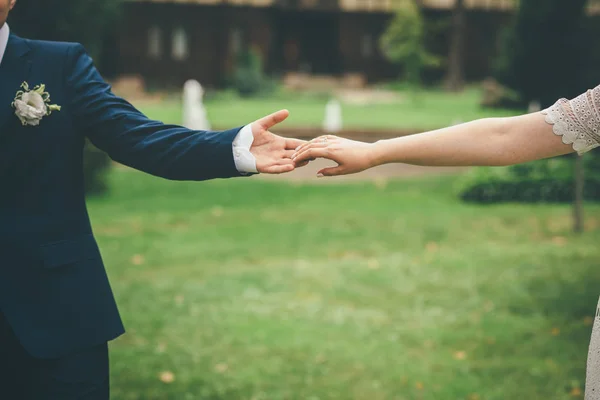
54	290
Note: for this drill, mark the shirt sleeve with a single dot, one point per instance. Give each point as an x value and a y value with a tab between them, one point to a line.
245	162
577	120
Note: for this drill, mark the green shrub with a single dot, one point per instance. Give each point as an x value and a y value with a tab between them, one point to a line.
248	78
88	22
403	43
530	191
544	181
528	60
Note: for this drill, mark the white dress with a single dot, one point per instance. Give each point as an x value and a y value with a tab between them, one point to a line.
578	122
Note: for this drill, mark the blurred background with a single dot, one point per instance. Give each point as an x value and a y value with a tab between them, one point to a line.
398	283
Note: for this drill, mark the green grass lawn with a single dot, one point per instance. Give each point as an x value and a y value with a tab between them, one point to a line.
432	109
246	289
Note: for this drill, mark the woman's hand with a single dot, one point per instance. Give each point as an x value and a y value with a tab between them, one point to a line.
350	155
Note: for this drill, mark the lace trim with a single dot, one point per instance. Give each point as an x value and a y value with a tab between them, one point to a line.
577	120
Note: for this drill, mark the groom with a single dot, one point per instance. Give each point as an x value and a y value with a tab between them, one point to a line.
57	311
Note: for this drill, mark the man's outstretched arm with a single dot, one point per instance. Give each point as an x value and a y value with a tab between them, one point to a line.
169	151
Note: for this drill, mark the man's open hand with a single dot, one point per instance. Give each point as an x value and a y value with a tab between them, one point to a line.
273	153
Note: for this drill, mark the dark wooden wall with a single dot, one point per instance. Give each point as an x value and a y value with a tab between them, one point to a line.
209	29
325	42
354	27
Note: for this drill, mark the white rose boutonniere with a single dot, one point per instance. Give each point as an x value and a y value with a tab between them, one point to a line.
33	105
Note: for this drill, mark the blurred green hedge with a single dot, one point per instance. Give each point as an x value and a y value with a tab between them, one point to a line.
544	181
248	78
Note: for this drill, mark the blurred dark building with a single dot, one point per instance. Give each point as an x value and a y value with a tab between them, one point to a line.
170	41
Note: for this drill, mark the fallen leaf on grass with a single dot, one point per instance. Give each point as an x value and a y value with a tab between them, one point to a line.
432	247
167	376
221	368
373	263
137	259
575	392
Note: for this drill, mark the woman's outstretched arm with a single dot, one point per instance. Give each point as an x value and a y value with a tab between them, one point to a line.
567	126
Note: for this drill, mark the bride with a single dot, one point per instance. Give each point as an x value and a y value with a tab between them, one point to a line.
485	142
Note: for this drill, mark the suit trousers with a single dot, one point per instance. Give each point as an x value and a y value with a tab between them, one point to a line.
82	375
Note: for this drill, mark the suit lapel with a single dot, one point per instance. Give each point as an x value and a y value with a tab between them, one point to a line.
14	70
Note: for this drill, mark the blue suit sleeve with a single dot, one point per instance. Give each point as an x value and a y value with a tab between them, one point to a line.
129	137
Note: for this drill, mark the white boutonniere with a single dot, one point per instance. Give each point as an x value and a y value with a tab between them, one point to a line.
33	105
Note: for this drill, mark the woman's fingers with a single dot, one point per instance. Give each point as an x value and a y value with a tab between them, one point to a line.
321	140
316	145
308	153
302	164
332	171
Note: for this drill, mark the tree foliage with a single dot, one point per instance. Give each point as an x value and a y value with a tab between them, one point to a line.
546	181
403	43
545	51
84	21
248	78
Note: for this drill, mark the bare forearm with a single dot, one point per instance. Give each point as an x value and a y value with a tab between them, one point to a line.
491	141
567	126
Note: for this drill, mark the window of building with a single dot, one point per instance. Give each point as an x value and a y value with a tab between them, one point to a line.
154	42
180	45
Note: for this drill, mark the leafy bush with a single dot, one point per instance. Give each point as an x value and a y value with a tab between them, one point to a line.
544	181
87	22
529	62
248	78
530	191
403	43
95	166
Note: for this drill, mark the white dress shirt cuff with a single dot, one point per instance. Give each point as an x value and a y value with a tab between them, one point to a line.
245	162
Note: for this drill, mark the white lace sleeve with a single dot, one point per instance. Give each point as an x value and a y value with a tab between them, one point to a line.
577	120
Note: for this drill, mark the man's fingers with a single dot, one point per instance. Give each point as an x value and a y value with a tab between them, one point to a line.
289	153
333	171
279	169
293	144
270	121
285	161
278	166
